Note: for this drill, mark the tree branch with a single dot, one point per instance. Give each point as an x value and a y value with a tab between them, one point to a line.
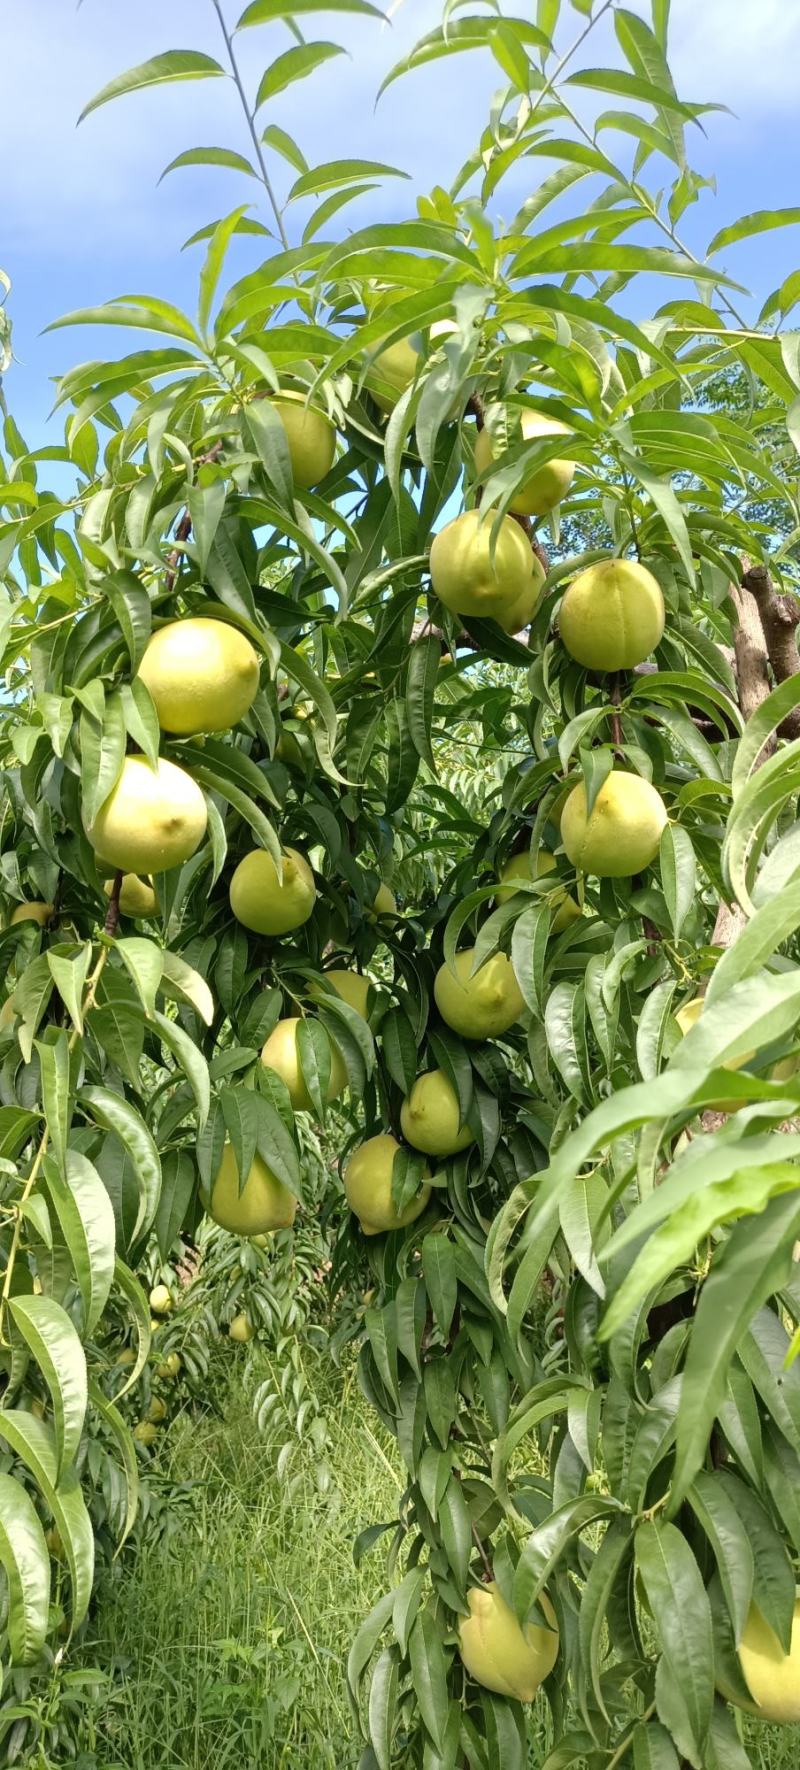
476	407
426	630
750	652
536	546
752	677
184	527
779	615
765	636
112	913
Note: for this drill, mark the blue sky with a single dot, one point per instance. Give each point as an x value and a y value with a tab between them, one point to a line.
83	216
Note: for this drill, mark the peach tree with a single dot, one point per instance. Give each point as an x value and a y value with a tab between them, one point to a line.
401	721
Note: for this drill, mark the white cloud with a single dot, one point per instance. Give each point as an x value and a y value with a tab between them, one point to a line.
90	192
83	217
741	55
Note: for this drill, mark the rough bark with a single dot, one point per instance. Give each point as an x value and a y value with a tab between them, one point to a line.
750	653
779	615
475	406
751	666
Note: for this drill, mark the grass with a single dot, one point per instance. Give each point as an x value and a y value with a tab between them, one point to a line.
227	1637
225	1632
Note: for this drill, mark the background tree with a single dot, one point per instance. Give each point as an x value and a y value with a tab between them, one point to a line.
612	1134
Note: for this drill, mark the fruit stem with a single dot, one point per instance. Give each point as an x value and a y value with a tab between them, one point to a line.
614	717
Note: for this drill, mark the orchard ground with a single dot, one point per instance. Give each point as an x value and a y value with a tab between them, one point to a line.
222	1639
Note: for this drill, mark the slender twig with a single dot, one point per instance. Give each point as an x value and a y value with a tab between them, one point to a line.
259	151
17	1235
565	59
487	1565
630	509
666	227
629	1739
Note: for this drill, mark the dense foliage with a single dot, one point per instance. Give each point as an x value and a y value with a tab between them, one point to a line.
580	1324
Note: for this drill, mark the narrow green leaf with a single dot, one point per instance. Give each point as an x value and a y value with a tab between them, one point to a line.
314	1054
382	1710
429	1675
34	1443
547	1543
678	875
767	930
269	440
179	1176
439	1272
26	1565
214	260
677	1598
102	745
760	222
653	1749
334	173
773	1575
140	1311
55	1072
285	146
133	609
86	1219
730	1543
423	675
205	504
743	1194
160	70
210	156
456	1528
117	1115
51	1339
366	1640
460	34
120	1432
141	718
145	963
276	1147
399	1048
602	1578
753	1263
652	1026
662	496
69	973
295	64
528	951
262	12
186	985
31	997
